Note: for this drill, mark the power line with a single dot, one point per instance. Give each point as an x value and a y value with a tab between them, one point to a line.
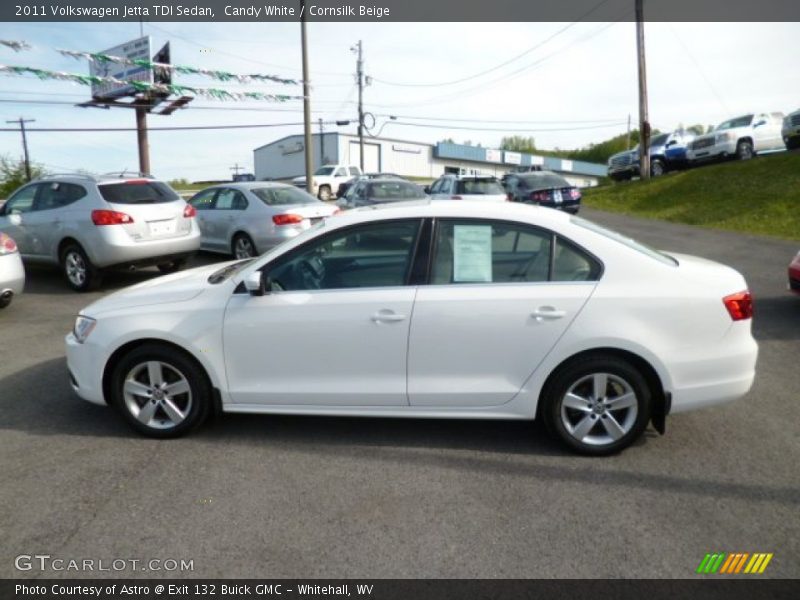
699	69
480	120
501	65
175	128
503	129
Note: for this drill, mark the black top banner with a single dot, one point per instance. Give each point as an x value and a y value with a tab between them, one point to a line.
398	10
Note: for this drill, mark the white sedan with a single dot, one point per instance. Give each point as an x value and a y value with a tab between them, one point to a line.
12	273
428	309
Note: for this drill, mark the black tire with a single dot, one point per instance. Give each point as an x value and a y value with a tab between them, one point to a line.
81	275
172	267
175	367
324	193
578	377
793	143
744	150
242	246
657	168
5	301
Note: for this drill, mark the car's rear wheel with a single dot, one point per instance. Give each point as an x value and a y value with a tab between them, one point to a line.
324	193
161	392
78	270
173	266
744	150
657	168
597	405
243	246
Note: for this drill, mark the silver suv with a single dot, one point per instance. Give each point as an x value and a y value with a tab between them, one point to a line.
86	224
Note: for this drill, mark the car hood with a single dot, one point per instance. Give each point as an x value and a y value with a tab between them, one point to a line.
177	287
299	180
722	277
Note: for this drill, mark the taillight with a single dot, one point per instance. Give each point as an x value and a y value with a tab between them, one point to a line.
110	217
739	305
287	219
540	196
456	197
509	196
189	212
574	193
7	245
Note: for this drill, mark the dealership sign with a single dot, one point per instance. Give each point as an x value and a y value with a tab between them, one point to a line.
134	50
513	158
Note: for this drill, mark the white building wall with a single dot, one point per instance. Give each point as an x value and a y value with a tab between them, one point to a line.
285	158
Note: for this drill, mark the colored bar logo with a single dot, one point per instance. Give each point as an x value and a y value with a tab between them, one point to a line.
734	563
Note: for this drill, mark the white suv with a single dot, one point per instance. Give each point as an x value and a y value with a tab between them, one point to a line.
86	224
742	138
327	178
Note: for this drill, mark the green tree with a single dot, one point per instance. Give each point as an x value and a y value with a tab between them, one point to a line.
518	143
12	174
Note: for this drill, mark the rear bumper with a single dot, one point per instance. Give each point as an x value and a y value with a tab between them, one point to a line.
117	249
12	274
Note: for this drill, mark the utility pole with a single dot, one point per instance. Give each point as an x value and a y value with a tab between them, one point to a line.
359	50
321	142
22	122
628	139
644	124
306	103
236	168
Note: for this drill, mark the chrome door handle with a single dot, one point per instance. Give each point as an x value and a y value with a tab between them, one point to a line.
547	313
387	316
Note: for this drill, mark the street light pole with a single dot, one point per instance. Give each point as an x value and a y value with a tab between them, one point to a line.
306	104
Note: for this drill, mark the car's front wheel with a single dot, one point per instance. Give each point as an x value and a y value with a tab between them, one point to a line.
597	405
161	391
78	270
324	193
657	168
744	150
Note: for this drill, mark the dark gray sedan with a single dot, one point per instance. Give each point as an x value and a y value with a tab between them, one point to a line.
367	192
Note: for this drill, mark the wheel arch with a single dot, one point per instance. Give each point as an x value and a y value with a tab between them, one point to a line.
121	351
660	396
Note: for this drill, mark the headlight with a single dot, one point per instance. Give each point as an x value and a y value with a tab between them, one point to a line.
83	327
722	137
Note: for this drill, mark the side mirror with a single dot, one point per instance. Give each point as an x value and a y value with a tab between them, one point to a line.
257	283
671	143
427	189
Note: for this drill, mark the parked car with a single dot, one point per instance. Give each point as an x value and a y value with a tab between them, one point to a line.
428	309
544	188
366	192
87	224
12	273
790	131
467	187
344	186
742	138
327	179
247	219
794	274
667	152
239	177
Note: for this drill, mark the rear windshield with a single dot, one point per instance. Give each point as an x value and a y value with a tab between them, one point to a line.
544	181
481	187
137	192
282	196
399	190
630	243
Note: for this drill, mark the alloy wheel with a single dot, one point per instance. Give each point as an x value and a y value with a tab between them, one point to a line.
157	394
75	268
599	409
243	248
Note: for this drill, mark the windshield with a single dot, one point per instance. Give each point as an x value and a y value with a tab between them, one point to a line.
282	196
324	171
734	123
137	191
482	187
394	190
544	181
659	140
626	241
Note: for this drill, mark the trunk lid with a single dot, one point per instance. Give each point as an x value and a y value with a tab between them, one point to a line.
157	211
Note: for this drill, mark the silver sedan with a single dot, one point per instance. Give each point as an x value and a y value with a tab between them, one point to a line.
248	218
12	273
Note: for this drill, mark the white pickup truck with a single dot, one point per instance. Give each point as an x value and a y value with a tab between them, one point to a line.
742	138
327	178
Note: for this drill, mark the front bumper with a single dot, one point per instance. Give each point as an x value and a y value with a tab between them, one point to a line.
85	365
718	150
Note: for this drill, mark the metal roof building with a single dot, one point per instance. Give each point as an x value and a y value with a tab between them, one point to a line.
284	158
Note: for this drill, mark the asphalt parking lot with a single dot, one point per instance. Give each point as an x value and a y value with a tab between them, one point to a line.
319	497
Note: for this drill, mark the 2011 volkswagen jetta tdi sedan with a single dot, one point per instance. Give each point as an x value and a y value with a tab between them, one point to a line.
428	309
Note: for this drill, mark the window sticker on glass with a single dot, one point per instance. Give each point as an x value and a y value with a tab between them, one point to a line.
472	253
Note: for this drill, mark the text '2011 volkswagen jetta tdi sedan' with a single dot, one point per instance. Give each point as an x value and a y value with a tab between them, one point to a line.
428	309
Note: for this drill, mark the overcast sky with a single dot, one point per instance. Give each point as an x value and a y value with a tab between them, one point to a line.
575	89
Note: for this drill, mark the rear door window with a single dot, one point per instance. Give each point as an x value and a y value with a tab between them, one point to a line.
480	187
204	200
139	191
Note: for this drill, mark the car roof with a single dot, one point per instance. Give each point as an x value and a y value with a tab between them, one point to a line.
249	185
